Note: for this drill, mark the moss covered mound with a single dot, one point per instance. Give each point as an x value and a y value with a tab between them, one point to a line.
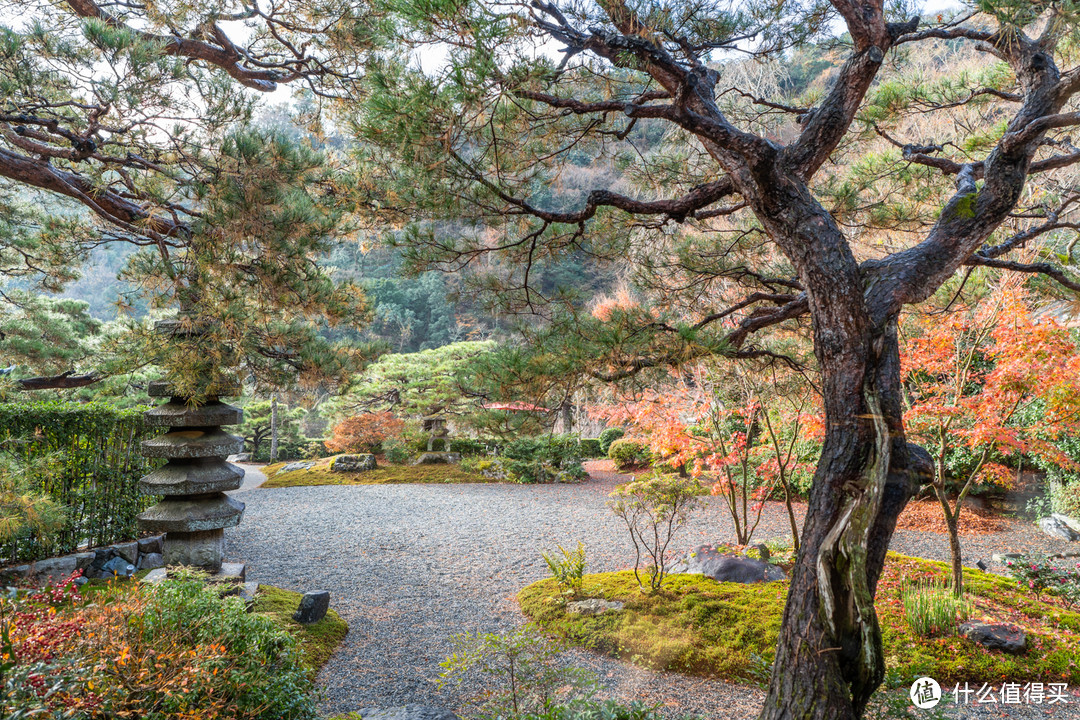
383	475
318	640
700	626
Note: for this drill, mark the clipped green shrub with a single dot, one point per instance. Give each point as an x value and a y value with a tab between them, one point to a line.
544	459
629	454
609	436
395	452
314	450
591	448
468	447
292	449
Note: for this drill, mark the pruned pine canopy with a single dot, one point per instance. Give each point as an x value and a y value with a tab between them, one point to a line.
721	154
131	123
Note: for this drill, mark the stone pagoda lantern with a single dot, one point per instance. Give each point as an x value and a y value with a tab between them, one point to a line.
194	510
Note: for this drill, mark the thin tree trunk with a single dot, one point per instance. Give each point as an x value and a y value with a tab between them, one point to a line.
273	428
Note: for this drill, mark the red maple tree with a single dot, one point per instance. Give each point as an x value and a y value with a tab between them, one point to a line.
994	381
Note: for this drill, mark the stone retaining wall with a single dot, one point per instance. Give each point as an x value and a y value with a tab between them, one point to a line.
104	562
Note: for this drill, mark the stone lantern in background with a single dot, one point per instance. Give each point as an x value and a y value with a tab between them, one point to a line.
194	510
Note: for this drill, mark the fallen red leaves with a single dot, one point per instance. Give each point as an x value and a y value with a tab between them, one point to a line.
926	515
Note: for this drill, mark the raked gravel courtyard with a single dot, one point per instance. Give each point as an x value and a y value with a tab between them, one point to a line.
410	566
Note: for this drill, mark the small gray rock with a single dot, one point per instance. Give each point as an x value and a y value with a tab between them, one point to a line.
705	560
1003	558
118	567
152	544
247	592
407	712
353	463
1055	528
290	467
129	551
83	559
151	561
313	607
995	636
593	606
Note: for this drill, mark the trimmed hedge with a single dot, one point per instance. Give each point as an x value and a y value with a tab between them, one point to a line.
93	452
468	447
543	459
629	454
609	436
590	448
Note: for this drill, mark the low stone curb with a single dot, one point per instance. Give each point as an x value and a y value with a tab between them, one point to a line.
118	560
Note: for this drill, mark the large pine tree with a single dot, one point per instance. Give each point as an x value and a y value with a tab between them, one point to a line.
745	211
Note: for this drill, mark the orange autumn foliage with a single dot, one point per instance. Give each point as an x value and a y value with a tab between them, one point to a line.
365	432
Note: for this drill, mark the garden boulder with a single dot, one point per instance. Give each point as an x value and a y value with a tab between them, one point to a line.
995	636
55	569
353	463
129	551
313	607
15	574
1054	527
1069	522
151	544
299	465
706	560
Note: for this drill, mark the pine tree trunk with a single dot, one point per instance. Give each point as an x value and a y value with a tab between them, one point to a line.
273	428
829	659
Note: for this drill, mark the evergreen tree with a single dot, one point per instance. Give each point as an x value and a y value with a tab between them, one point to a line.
132	124
758	217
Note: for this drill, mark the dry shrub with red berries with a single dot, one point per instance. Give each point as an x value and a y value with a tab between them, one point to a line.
174	650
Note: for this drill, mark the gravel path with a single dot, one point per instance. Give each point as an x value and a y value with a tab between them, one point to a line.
409	566
253	478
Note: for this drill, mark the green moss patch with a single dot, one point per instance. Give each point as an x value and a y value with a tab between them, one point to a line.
699	626
317	641
383	475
